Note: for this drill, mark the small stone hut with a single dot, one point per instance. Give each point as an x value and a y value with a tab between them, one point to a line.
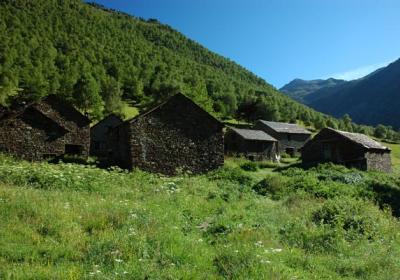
291	137
177	135
45	129
250	143
98	135
349	149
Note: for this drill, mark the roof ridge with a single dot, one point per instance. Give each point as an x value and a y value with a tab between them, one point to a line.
365	138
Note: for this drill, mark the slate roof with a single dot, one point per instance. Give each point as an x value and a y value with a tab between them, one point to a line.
177	95
251	134
285	127
361	139
18	108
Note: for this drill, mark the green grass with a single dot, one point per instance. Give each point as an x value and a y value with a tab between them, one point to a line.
71	221
395	156
129	111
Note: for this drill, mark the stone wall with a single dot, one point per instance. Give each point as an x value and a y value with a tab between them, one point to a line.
379	161
177	136
98	135
40	132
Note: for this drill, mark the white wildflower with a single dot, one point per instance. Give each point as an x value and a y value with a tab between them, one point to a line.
277	250
118	260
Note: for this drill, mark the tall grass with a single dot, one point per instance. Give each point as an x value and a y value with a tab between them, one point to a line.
70	221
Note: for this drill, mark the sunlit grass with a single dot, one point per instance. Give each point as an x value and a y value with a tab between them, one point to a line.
70	221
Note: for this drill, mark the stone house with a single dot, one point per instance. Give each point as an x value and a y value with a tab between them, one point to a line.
349	149
250	143
98	135
176	135
291	137
44	129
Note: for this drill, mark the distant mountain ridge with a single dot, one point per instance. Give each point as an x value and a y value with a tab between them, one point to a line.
298	89
372	100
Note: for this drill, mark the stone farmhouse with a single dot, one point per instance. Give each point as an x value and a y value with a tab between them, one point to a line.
176	135
250	143
291	137
44	129
349	149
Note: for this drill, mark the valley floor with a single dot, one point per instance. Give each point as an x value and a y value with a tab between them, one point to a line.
70	221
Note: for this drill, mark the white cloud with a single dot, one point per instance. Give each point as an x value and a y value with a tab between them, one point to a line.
358	72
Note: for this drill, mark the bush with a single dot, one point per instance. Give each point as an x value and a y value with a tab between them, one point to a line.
285	155
268	164
235	175
272	185
356	218
302	234
386	193
249	166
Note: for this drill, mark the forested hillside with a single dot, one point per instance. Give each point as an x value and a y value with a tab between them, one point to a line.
101	60
95	57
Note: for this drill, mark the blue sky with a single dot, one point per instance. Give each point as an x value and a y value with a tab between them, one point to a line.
280	40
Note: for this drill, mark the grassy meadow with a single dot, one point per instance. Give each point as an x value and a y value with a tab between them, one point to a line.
244	221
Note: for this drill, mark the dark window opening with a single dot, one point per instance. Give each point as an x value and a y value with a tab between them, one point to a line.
289	137
96	145
73	149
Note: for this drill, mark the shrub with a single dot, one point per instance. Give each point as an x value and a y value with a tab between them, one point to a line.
272	185
386	193
268	164
249	166
285	155
302	234
356	218
232	174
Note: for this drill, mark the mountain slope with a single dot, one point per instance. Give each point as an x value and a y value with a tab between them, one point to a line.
373	99
96	57
299	89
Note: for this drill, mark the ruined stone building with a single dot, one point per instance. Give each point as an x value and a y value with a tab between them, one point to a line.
349	149
291	137
250	143
98	135
177	135
44	129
